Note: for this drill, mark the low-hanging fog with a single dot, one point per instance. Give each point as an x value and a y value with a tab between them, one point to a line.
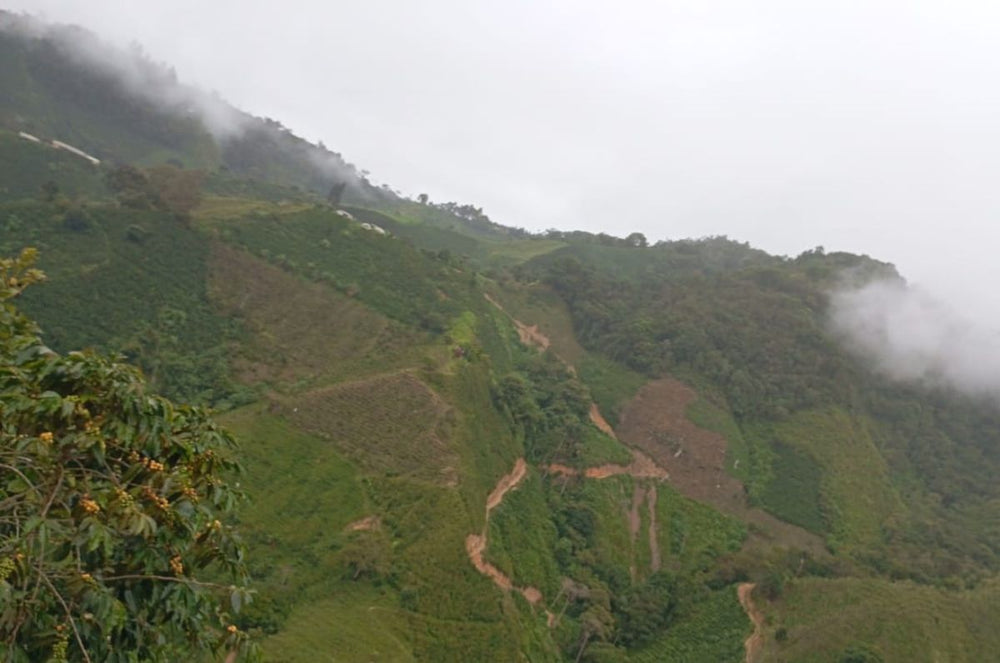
866	127
157	83
911	335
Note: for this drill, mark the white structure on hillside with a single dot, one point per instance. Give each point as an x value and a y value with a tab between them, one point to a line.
59	145
373	228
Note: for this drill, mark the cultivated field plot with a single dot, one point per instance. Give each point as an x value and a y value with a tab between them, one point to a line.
391	424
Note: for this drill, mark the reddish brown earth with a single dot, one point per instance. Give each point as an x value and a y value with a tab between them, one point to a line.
656	422
507	483
365	524
600	422
529	335
641	467
752	644
475	544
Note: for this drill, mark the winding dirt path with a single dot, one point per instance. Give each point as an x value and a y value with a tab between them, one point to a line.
598	420
641	467
506	483
655	422
529	335
755	642
475	544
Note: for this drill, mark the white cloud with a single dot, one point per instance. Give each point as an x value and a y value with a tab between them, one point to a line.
910	335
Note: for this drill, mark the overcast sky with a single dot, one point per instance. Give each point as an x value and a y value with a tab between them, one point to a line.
868	126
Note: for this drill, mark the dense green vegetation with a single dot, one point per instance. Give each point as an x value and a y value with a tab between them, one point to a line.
132	281
753	339
710	630
110	531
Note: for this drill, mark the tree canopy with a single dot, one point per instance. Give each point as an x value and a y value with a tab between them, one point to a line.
113	504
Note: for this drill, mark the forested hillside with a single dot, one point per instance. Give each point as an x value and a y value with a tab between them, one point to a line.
465	442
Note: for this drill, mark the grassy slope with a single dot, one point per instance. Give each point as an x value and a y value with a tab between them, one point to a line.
692	534
711	630
901	621
611	385
436	602
536	305
299	332
522	538
24	166
827	475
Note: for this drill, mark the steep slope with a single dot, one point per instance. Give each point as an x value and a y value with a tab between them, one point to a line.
63	83
420	392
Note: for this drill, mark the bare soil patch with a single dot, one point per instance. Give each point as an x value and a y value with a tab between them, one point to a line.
656	422
752	644
475	546
367	524
506	483
529	335
641	467
598	420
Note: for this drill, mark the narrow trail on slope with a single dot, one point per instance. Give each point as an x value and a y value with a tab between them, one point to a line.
654	545
529	335
755	641
696	455
641	467
598	420
475	544
656	421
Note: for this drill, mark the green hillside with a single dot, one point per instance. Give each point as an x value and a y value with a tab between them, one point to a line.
464	442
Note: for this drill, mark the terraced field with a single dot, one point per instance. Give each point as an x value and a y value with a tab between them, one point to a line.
390	424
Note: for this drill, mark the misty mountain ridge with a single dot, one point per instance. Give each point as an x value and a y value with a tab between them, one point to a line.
125	106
